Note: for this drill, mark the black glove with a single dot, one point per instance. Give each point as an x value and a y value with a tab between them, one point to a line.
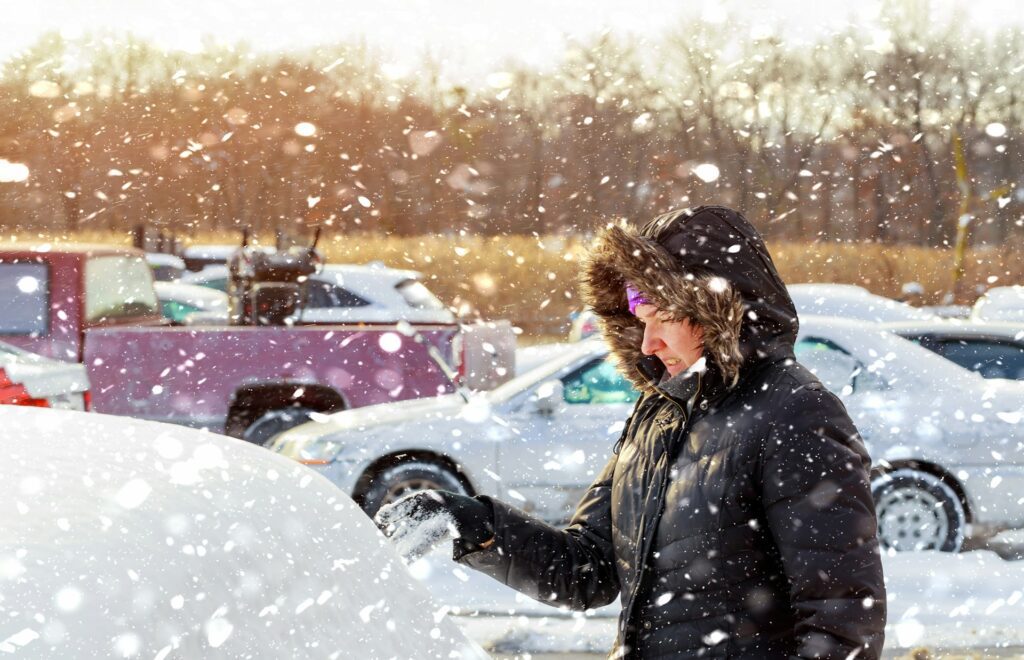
422	520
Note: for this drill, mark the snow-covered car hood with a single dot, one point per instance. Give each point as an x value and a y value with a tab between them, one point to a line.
365	419
126	538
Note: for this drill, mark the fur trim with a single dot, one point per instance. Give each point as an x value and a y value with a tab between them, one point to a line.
619	255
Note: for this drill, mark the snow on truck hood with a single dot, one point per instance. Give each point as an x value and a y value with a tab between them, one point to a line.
125	538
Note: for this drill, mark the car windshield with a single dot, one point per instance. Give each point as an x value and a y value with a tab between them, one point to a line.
991	359
573	353
118	287
24	298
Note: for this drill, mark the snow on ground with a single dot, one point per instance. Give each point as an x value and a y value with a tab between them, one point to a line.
971	600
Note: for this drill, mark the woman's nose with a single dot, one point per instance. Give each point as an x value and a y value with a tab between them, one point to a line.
652	341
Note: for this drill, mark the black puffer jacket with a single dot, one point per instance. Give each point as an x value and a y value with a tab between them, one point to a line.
745	529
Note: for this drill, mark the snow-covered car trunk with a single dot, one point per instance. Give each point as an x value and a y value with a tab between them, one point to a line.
125	538
30	379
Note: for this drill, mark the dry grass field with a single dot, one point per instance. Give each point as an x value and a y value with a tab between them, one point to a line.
532	281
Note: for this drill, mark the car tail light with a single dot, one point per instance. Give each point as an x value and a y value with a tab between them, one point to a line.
12	393
87	400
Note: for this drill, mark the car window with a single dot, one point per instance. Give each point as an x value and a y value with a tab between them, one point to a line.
833	366
989	357
118	287
598	382
24	299
418	296
325	294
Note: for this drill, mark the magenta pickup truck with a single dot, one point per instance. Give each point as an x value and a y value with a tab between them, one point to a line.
96	304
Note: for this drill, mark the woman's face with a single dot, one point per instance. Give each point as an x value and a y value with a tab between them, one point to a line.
678	344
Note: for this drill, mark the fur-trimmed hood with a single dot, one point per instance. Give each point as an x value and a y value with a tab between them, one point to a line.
706	264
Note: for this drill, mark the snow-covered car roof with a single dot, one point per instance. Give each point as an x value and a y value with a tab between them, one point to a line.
1002	303
125	538
852	302
958	327
222	252
164	259
62	383
201	297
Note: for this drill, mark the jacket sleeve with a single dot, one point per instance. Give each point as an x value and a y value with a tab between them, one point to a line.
818	506
572	567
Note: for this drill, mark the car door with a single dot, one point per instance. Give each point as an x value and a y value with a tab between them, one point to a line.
563	436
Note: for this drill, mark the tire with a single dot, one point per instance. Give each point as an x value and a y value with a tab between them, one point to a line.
397	481
269	424
918	511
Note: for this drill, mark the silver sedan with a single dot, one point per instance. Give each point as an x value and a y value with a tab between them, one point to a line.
948	445
537	440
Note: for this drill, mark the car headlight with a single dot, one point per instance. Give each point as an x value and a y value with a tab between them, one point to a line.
320	451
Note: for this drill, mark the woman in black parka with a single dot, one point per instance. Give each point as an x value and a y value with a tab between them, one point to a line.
734	517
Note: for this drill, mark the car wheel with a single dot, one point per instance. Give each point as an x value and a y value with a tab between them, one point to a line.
395	482
272	422
918	511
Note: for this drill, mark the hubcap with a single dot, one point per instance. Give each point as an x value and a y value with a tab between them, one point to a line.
408	487
912	519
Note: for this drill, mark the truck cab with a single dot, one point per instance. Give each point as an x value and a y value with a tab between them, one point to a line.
51	295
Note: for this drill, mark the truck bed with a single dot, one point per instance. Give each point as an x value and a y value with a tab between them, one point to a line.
188	375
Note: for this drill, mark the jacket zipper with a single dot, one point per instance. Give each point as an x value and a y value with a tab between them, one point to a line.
649	538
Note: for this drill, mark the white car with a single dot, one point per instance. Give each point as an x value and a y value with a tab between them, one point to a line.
27	379
1002	303
123	538
851	302
993	349
948	445
350	293
180	300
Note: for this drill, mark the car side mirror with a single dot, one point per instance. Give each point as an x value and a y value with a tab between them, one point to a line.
548	397
868	380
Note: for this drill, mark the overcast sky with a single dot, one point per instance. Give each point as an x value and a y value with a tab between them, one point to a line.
473	36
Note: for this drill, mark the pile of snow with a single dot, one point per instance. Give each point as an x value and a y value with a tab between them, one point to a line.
124	538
